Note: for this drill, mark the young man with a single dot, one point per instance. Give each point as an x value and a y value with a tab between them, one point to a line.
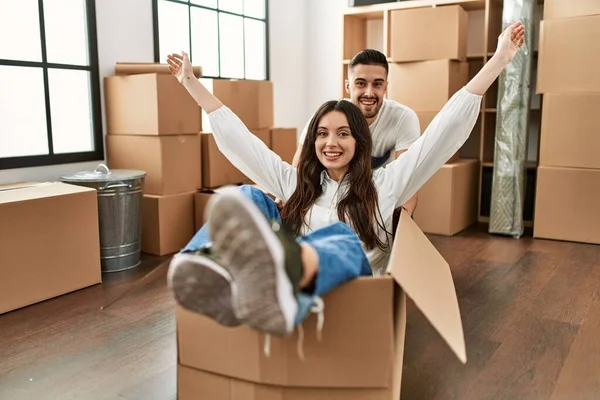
394	127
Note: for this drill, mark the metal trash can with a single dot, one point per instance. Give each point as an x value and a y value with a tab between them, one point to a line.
120	194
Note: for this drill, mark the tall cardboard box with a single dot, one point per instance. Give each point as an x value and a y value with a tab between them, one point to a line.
360	354
217	170
448	201
49	242
149	104
555	9
250	100
426	85
172	163
566	204
168	222
570	131
569	55
431	33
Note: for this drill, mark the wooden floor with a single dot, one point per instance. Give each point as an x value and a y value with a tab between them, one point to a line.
531	315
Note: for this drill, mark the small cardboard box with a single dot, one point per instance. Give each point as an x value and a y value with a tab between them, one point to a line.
172	163
425	118
432	33
250	100
426	85
569	133
149	104
555	9
361	352
168	223
284	143
566	204
217	170
448	201
569	55
49	242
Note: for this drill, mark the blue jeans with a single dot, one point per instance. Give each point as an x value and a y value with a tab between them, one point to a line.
341	257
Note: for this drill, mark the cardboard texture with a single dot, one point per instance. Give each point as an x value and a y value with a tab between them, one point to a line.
200	201
425	118
123	68
569	132
555	9
168	223
217	170
569	55
360	354
149	104
250	100
448	201
193	384
61	222
426	85
566	204
433	33
172	163
284	143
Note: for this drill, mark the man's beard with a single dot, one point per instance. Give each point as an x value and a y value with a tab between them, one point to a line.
376	106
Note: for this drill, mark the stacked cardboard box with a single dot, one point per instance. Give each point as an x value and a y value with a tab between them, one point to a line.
568	183
429	50
252	102
153	125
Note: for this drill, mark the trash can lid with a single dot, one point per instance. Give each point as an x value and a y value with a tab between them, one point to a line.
103	174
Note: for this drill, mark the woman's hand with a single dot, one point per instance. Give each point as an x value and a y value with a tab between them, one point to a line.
180	65
510	41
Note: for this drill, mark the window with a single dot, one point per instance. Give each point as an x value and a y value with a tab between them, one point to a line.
227	38
49	83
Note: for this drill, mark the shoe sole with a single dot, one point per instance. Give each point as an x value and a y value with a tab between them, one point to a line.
202	286
251	252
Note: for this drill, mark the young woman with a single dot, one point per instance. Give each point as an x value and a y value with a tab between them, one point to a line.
251	264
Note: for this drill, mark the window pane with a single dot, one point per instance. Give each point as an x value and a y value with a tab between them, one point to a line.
70	108
205	41
66	31
255	49
205	3
231	35
20	30
254	8
173	28
236	6
23	129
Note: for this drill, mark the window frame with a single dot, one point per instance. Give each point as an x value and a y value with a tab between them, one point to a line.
95	101
218	10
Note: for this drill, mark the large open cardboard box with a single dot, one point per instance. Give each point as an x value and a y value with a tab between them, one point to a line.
361	351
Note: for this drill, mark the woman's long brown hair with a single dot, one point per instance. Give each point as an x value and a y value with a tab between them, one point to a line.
359	208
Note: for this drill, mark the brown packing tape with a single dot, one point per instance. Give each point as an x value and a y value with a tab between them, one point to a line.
149	68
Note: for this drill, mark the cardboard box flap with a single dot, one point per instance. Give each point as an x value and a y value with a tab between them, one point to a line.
40	190
425	276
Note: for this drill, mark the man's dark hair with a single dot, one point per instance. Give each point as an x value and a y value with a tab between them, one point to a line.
369	57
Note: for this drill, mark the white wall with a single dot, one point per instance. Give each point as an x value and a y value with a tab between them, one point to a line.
125	33
324	38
